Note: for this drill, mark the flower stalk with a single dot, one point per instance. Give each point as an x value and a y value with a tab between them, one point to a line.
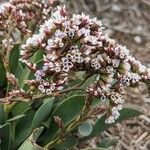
66	130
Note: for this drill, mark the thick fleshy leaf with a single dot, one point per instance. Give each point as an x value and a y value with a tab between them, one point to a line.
23	128
101	126
27	74
69	142
38	55
14	119
76	79
72	106
30	143
3	115
5	137
19	108
85	128
67	110
3	79
20	70
31	120
107	142
43	112
88	82
14	59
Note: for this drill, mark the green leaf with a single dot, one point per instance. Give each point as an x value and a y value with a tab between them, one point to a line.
42	113
3	115
14	119
3	80
69	142
23	127
88	82
107	142
20	108
31	120
85	128
27	74
38	55
30	143
14	59
76	78
67	110
20	70
5	137
101	126
36	133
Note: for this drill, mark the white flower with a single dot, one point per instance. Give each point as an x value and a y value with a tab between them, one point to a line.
110	120
56	16
52	87
119	107
87	59
48	91
148	73
103	98
115	62
123	51
3	6
47	26
35	40
83	31
41	88
71	33
142	68
60	88
109	69
60	34
50	43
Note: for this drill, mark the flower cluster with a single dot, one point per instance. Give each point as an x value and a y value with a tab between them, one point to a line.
18	14
78	44
11	18
38	10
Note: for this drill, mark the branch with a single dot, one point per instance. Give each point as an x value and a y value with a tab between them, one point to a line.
39	97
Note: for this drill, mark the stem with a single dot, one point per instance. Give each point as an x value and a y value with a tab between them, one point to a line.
38	97
73	125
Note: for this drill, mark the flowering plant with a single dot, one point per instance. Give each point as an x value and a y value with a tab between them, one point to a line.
59	76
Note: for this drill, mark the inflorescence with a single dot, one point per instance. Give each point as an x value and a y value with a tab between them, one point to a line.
22	15
78	44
